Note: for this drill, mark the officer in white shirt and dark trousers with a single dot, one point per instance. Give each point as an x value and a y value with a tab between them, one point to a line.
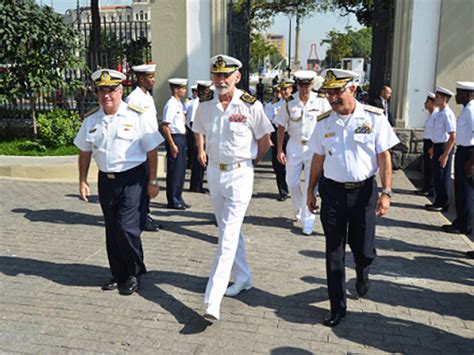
121	141
444	138
173	127
141	98
428	183
271	110
236	132
204	92
298	117
463	182
350	144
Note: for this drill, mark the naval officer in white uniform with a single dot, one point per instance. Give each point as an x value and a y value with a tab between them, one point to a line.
236	132
298	117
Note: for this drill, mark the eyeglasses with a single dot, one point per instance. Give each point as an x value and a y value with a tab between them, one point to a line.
107	89
333	92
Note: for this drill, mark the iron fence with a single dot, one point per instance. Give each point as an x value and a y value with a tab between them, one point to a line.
122	45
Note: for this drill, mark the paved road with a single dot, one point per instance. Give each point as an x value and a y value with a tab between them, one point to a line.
52	262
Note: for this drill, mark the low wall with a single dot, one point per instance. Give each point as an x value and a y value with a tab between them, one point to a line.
408	154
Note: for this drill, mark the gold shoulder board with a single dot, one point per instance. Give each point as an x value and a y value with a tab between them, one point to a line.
207	97
246	97
324	115
373	109
135	108
289	98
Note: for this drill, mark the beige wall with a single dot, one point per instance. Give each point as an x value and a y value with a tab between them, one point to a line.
455	61
168	26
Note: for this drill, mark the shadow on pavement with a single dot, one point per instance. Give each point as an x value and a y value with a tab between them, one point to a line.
84	275
289	350
60	216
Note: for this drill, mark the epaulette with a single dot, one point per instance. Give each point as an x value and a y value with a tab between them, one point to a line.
275	100
289	98
373	109
208	96
135	108
246	97
91	111
324	115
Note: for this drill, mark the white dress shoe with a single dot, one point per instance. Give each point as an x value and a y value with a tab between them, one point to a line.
307	231
297	216
212	312
237	288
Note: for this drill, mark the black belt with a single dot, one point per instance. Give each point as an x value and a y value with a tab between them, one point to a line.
113	176
350	185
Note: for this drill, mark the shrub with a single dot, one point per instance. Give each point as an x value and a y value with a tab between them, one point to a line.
58	127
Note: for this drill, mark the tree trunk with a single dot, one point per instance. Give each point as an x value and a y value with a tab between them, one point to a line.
33	114
94	39
382	29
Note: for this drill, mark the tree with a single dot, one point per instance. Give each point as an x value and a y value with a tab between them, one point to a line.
112	50
350	44
362	9
37	46
138	51
94	36
261	49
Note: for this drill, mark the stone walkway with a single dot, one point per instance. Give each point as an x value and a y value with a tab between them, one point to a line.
52	262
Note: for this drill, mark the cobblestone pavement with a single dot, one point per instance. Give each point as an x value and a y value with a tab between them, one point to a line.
52	262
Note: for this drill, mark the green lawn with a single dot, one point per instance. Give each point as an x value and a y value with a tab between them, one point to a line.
29	147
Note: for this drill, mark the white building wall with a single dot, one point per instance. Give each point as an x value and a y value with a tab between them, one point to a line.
198	33
422	61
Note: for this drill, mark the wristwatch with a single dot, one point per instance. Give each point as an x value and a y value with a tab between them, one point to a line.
153	182
387	192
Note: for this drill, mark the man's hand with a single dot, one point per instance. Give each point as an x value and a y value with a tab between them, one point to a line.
431	152
383	205
469	168
202	158
153	190
281	157
84	190
443	160
311	202
174	150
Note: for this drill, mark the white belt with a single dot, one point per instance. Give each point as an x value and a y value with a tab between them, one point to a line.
233	166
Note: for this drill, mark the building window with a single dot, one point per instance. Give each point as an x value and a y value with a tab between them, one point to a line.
146	16
120	17
136	17
128	18
141	15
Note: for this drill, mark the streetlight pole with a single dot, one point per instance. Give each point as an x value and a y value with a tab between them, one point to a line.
289	51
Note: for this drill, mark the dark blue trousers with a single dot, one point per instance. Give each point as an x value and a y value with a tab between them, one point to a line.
197	170
278	168
347	215
175	171
123	201
442	176
427	167
463	189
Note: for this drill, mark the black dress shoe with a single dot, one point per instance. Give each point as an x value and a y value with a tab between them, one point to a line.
186	205
176	207
470	254
151	225
450	228
362	287
129	286
334	318
110	286
436	208
283	198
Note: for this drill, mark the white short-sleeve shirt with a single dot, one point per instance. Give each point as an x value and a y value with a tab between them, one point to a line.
272	109
231	134
300	119
465	126
444	123
144	101
120	142
429	124
173	114
350	145
191	112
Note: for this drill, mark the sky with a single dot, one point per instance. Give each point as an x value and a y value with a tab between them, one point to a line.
313	29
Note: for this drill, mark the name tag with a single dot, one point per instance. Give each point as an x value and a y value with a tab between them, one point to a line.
93	130
329	135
